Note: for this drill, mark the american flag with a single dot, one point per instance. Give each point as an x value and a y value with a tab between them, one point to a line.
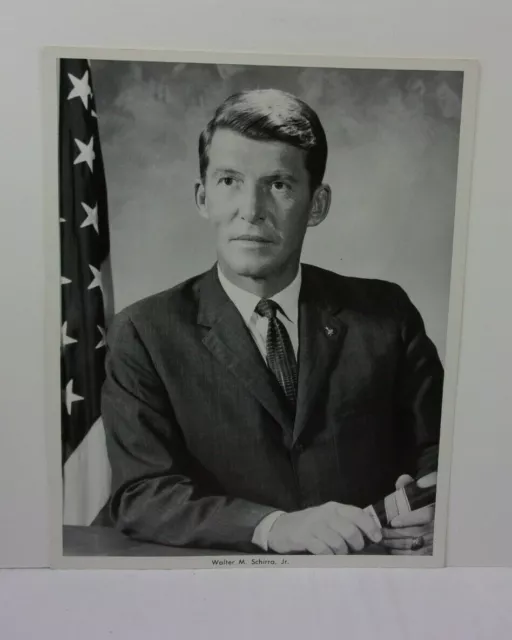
84	246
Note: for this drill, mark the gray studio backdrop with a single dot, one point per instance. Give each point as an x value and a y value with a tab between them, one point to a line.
393	147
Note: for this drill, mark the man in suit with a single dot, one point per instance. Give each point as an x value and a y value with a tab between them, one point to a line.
264	403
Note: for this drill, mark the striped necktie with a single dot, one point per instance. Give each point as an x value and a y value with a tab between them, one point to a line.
280	354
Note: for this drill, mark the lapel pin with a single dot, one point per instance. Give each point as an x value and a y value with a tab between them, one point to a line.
329	332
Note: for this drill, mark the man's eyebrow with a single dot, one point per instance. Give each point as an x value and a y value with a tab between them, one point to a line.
272	175
281	175
226	171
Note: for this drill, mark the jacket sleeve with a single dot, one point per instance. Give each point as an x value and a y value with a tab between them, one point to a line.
420	391
155	492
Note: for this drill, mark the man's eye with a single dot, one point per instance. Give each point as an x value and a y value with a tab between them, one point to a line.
279	185
227	181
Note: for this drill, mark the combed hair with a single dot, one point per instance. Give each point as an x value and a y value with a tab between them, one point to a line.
270	114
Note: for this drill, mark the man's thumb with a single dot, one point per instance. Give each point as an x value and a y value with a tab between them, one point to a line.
403	480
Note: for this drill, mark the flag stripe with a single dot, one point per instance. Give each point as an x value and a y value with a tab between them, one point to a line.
83	499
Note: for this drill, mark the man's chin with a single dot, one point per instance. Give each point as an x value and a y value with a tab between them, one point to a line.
254	270
256	273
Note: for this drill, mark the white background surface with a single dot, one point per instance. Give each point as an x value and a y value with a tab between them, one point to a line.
406	604
431	604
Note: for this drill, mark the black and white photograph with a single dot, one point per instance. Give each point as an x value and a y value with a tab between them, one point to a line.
254	300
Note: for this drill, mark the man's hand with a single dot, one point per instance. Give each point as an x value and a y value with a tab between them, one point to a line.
404	529
331	528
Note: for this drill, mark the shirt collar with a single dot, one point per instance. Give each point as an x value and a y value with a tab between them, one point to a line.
245	302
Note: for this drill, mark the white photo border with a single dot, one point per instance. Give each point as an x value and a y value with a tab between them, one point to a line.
49	71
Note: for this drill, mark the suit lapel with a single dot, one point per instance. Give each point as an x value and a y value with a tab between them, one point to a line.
230	342
321	336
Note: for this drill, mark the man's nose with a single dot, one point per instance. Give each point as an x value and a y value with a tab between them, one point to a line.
252	207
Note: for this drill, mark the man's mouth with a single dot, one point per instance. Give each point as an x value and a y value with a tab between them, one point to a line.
252	238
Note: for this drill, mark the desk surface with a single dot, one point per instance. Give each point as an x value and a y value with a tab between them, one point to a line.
102	541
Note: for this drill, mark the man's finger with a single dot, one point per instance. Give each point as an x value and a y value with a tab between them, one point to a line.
403	481
424	551
319	548
332	539
398	543
353	537
404	532
407	543
362	521
428	481
342	549
414	518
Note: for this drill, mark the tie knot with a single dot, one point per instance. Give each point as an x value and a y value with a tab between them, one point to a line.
267	308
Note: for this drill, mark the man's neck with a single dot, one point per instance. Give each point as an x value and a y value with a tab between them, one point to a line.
261	287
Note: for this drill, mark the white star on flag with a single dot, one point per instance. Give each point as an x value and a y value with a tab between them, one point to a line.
65	338
64	280
81	88
71	396
96	282
102	342
86	152
92	217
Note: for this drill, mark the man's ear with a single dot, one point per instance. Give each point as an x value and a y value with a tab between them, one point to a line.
320	204
200	198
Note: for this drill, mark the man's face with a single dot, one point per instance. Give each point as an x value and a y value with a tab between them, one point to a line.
257	196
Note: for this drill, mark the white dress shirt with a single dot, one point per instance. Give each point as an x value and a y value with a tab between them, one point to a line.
245	302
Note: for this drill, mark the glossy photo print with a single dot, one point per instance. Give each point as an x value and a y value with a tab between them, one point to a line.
254	298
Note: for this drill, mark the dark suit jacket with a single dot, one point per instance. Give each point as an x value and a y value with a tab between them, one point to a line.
201	443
